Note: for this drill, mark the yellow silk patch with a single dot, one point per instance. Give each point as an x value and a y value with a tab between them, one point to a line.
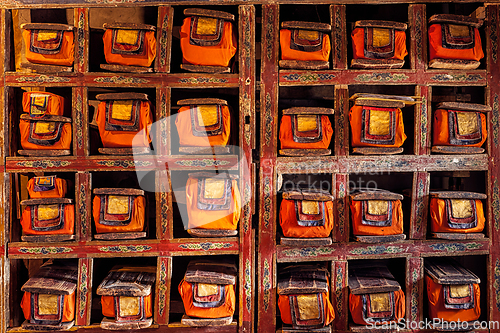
42	127
458	30
44	35
461	208
129	306
306	123
378	207
118	204
207	115
379	122
380	302
308	306
381	37
214	188
308	34
310	207
127	36
48	212
467	123
206	289
459	290
47	304
122	110
206	26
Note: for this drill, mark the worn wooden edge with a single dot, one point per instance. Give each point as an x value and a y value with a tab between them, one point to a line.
308	195
371	96
376	195
380	103
206	69
128	26
47	26
209	13
111	324
457	150
464	106
377	63
308	110
118	191
198	232
302	290
304	64
205	150
453	64
126	69
305	152
377	150
46	118
46	238
121	235
131	291
41	327
211	280
204	174
291	241
375	289
380	24
46	201
122	96
124	151
457	236
317	26
46	69
204	322
289	329
432	267
44	152
457	195
456	19
201	101
442	327
380	239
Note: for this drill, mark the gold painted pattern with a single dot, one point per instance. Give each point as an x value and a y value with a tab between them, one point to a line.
310	207
48	212
308	306
379	302
44	35
42	127
129	306
308	34
206	289
459	290
118	204
214	188
458	30
461	208
47	304
122	110
306	123
207	115
378	207
127	36
206	26
379	122
381	37
467	123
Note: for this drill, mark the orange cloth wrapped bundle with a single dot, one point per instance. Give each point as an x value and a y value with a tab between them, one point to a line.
305	131
46	133
450	213
40	103
129	44
213	201
203	124
47	187
310	216
68	312
119	210
376	214
379	40
305	41
54	217
304	297
122	117
207	37
49	44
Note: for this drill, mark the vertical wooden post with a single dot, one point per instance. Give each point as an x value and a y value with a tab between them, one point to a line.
414	293
164	209
340	294
163	286
162	122
83	207
419	205
341	185
418	36
341	120
80	122
339	38
84	292
423	121
81	37
164	38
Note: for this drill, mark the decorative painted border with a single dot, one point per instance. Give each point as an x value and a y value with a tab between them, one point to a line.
206	246
81	40
418	34
454	247
423	122
247	40
79	120
248	286
125	164
42	79
381	77
450	77
206	162
163	40
308	77
45	250
125	248
162	288
341	119
341	206
493	33
268	134
308	252
247	214
495	203
82	210
120	80
419	205
201	80
338	33
339	277
495	113
164	208
267	201
269	32
377	249
163	122
266	284
496	283
414	295
83	290
43	164
312	165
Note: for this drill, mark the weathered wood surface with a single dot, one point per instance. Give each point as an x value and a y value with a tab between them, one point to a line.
380	239
209	13
126	69
448	271
209	233
124	151
204	271
457	150
121	235
455	19
314	195
377	150
111	324
205	150
128	281
377	63
121	96
380	103
44	153
47	69
308	110
464	106
376	195
299	242
457	195
46	238
325	27
456	236
202	101
303	279
203	322
47	26
118	191
41	327
454	64
205	69
53	278
129	26
305	152
290	329
46	201
364	279
381	24
304	64
46	117
222	175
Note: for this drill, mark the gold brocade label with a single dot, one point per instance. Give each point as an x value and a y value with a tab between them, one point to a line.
381	37
380	302
122	110
461	208
127	36
308	34
207	115
47	304
467	123
214	188
306	123
380	122
206	289
129	306
206	26
308	306
48	212
378	207
44	35
459	290
42	127
458	30
310	207
118	204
